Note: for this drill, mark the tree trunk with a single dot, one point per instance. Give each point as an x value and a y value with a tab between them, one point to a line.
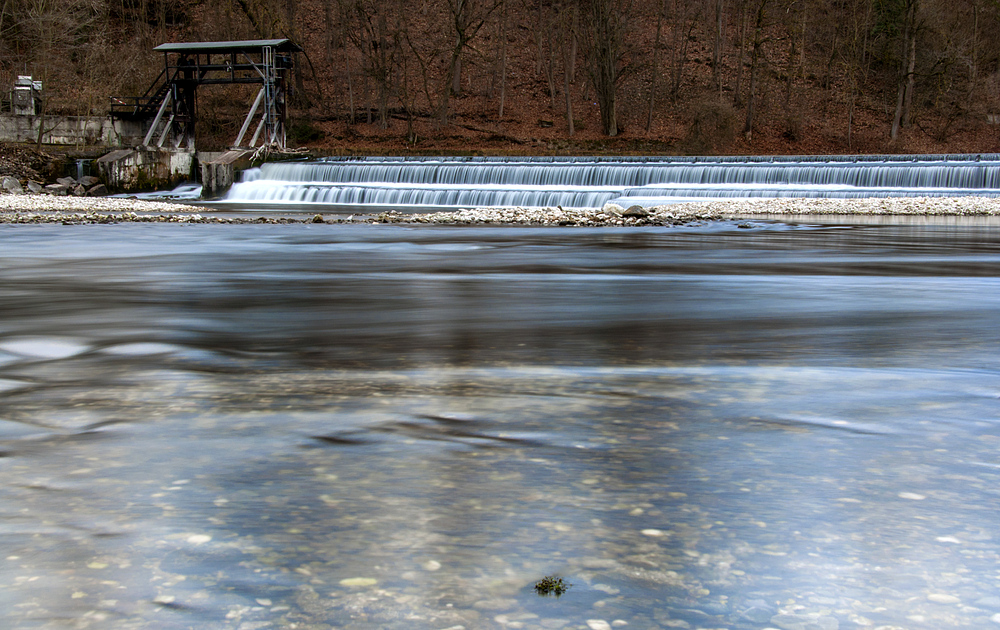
569	100
717	48
684	26
446	92
456	80
503	58
755	62
907	67
568	36
350	84
41	127
790	71
550	69
744	25
911	67
606	32
574	41
655	70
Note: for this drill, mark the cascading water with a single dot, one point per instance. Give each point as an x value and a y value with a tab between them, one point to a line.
420	184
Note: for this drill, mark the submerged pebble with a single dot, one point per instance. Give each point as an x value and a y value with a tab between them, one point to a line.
359	581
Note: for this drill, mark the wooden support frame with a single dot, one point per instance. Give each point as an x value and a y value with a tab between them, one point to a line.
189	65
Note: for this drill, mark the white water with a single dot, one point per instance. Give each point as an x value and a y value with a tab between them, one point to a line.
446	183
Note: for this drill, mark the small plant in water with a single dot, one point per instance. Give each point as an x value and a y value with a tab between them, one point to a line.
551	585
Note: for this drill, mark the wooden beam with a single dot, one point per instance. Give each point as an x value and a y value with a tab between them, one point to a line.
246	123
159	116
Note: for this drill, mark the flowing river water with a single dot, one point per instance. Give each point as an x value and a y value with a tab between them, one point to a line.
730	425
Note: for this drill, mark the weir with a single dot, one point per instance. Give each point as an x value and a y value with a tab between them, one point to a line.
424	184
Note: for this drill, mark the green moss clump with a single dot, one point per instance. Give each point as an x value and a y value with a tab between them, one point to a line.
551	585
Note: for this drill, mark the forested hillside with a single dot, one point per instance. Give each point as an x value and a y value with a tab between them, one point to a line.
540	76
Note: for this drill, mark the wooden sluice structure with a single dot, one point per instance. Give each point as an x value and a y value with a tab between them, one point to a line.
169	109
170	104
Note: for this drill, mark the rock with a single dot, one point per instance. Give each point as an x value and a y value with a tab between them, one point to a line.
715	608
318	219
66	181
991	602
89	180
78	191
498	603
359	581
11	185
57	189
598	563
758	614
636	212
34	186
100	190
694	614
805	622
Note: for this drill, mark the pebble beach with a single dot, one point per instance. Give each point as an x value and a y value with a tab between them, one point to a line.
82	210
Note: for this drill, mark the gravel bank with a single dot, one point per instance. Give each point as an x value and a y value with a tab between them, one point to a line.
678	214
49	209
50	203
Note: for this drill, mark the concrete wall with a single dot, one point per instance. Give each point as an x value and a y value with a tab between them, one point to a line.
218	170
71	130
145	168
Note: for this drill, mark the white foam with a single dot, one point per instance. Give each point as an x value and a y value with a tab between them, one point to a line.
141	349
43	347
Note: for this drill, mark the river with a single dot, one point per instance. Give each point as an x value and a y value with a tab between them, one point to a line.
730	425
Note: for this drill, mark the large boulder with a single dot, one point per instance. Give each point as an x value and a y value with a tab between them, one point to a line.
11	185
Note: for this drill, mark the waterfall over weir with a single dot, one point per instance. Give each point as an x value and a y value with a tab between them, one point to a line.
429	184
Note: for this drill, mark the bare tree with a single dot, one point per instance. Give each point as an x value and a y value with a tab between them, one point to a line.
502	62
569	21
654	71
908	62
717	46
756	59
684	19
606	23
467	18
374	30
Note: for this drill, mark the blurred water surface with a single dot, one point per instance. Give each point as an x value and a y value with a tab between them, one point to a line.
773	425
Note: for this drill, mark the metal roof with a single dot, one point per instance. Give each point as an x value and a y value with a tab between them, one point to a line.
250	45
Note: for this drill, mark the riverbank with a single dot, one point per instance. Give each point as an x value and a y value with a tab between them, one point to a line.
50	209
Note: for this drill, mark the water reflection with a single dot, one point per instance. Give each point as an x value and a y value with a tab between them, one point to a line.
389	428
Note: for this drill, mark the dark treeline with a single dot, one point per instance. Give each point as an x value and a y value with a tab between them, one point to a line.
706	73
